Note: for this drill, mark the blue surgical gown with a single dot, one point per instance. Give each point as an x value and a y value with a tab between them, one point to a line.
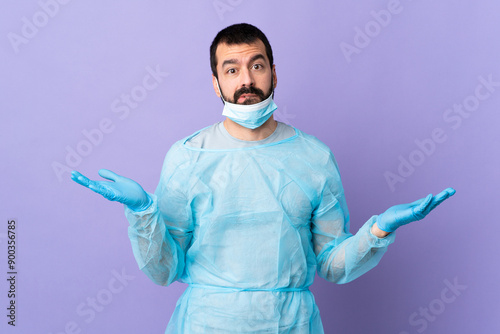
247	229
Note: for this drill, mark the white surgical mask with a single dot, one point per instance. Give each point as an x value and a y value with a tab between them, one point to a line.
250	116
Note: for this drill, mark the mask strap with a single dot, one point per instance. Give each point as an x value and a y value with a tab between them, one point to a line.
272	84
220	92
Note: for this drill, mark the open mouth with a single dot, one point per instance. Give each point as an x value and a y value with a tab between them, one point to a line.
246	96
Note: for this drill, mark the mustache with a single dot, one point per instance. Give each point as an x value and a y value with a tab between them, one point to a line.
248	90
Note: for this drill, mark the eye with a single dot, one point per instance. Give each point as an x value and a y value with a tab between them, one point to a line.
231	71
257	66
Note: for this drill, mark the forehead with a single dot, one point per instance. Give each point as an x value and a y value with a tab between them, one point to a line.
240	52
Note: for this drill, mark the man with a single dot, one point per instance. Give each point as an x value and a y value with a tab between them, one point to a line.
248	209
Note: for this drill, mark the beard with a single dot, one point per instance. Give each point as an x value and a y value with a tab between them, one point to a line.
261	96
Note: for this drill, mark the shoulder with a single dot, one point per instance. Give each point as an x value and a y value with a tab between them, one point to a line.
314	145
178	156
198	138
318	155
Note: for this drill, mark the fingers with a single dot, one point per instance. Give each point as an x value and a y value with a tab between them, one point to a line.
439	198
103	189
418	201
80	179
442	196
424	204
109	175
86	182
420	211
450	191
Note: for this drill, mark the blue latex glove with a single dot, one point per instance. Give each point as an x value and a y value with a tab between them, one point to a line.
122	189
403	214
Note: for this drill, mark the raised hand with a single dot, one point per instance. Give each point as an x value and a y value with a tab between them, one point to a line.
403	214
120	189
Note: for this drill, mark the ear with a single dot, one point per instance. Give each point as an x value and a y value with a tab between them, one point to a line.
214	82
275	78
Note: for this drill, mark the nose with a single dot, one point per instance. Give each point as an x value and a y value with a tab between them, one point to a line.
247	79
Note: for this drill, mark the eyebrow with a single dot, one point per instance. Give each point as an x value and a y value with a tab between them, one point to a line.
235	61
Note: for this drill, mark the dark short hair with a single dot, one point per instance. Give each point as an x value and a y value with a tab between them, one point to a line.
241	33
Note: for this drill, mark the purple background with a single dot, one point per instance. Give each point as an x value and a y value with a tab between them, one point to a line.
369	108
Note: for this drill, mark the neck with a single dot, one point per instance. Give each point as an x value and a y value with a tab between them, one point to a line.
243	133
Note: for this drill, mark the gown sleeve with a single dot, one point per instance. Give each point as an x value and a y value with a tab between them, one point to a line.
341	256
160	235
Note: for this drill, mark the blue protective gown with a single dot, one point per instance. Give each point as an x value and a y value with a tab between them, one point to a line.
247	229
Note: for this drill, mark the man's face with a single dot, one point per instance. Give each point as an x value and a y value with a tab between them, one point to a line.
244	73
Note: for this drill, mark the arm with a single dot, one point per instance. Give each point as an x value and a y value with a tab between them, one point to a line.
378	232
342	256
160	235
158	246
160	224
